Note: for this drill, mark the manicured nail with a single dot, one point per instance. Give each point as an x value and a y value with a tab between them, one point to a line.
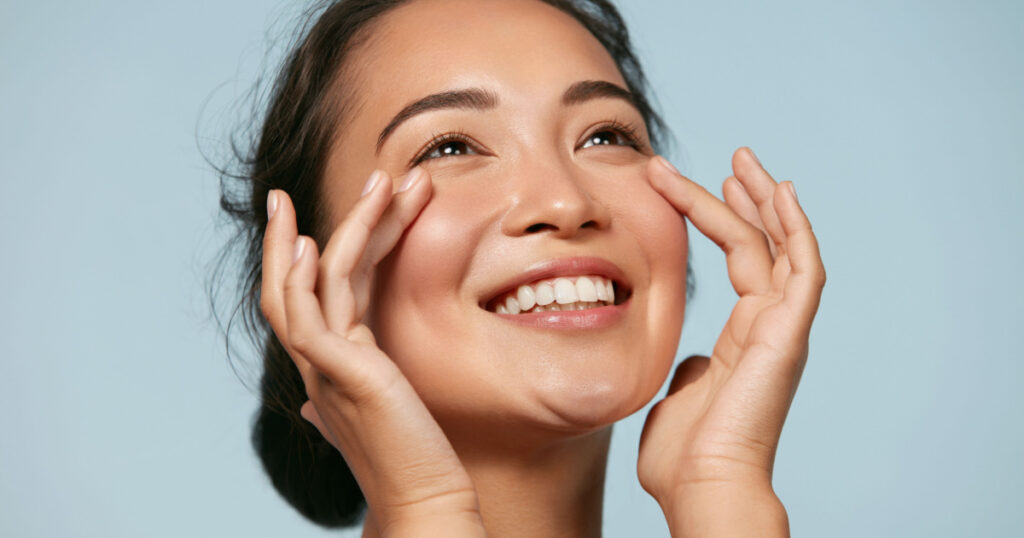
371	183
792	190
300	247
664	162
754	155
271	204
411	179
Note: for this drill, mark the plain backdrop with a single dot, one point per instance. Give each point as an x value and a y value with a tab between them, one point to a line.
899	122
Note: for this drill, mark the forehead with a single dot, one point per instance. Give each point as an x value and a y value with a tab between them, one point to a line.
522	50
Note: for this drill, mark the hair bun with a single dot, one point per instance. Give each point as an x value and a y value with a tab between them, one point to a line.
306	469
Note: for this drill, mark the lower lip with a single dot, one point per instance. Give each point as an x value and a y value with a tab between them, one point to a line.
592	318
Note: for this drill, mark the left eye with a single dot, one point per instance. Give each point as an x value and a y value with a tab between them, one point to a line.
446	148
607	137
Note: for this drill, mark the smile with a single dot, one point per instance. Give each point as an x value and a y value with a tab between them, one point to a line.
556	294
567	293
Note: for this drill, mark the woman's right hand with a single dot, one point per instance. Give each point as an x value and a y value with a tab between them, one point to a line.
359	400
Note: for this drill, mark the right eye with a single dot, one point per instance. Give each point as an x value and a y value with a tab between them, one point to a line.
446	145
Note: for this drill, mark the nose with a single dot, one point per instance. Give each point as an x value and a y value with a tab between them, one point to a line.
553	199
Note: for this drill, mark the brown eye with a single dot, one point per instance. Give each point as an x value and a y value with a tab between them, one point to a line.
605	138
455	147
449	145
611	135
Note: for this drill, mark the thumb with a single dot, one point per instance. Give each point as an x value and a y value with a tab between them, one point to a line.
309	412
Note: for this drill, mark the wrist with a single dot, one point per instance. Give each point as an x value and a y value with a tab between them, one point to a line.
713	509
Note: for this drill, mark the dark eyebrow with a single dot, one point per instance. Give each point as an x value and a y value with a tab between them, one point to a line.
471	98
481	99
596	89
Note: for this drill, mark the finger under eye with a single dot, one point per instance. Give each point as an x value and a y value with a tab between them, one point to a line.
404	208
345	250
746	249
761	187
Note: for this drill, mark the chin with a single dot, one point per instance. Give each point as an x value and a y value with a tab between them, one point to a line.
591	404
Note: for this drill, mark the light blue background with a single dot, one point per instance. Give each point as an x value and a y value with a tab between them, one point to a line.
900	123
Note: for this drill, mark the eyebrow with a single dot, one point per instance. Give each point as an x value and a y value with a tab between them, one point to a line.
481	99
588	90
471	98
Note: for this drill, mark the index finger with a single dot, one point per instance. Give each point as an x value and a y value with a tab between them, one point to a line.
746	248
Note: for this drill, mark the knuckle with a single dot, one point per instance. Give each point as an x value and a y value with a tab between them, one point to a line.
302	341
292	285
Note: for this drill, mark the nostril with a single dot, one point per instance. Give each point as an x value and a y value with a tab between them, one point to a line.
539	227
589	224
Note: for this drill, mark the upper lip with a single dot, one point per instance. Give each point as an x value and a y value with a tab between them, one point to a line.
573	266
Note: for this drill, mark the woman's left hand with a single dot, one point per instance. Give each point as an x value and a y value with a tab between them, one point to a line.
708	448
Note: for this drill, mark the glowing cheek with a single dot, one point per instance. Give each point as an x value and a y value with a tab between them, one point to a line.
659	229
431	260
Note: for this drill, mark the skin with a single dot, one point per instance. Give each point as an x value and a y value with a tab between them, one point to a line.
453	419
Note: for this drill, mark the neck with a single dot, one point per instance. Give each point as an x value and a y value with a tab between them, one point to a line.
553	487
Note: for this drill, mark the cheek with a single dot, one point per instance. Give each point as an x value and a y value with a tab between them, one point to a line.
414	284
661	237
659	229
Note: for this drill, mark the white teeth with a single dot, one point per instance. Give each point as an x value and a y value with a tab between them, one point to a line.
545	294
585	290
526	297
561	294
513	305
565	291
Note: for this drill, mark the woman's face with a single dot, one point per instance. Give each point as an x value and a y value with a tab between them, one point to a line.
537	182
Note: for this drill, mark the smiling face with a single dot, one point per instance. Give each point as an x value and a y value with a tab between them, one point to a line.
538	162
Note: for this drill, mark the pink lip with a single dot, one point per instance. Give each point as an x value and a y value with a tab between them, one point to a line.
576	266
593	318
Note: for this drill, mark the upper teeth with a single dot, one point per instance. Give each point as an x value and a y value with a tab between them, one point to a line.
564	293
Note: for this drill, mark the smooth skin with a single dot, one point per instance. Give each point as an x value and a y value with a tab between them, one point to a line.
717	429
707	450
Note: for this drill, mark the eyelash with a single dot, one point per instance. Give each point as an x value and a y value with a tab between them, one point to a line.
629	133
439	140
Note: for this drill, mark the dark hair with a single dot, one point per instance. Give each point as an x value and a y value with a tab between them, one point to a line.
289	152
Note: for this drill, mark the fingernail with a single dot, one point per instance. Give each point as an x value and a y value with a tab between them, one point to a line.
271	204
792	190
371	183
664	162
411	179
300	247
754	155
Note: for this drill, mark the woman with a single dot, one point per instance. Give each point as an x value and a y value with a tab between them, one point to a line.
473	264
